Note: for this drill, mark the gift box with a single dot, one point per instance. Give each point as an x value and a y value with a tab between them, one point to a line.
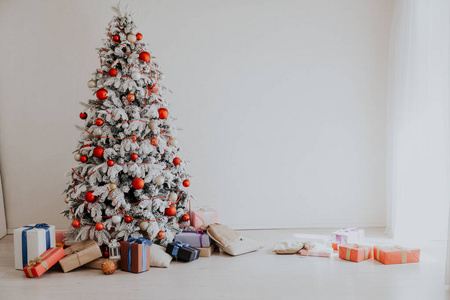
97	263
196	239
335	246
79	254
348	236
318	252
59	236
45	261
135	255
182	251
203	216
396	255
206	252
355	253
31	241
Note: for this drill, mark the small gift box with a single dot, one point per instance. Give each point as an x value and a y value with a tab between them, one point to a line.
59	236
347	236
355	253
203	216
318	252
79	254
182	251
97	263
31	241
197	238
335	246
135	255
206	252
45	261
396	255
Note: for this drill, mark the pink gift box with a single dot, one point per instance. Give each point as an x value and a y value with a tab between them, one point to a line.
316	252
203	216
59	236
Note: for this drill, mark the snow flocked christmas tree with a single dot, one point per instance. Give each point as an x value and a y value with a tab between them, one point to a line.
130	180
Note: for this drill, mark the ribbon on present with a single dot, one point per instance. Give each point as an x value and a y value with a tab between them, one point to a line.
39	260
355	246
178	245
200	232
144	243
394	248
24	240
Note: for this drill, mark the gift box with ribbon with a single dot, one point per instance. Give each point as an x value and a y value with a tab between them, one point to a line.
197	238
203	216
347	236
389	255
355	253
182	251
39	265
318	252
135	255
31	241
79	254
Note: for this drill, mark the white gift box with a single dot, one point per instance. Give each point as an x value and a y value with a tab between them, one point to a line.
31	241
348	236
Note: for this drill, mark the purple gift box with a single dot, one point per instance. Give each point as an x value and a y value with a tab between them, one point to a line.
194	238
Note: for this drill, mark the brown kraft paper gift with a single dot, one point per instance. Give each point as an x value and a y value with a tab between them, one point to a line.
80	254
136	257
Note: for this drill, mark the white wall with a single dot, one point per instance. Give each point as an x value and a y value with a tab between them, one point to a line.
282	103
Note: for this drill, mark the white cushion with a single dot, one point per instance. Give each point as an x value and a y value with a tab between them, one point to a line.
288	247
158	257
241	245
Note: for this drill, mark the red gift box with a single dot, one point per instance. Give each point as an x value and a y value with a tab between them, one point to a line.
45	261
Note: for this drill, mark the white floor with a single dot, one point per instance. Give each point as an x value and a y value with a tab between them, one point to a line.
259	275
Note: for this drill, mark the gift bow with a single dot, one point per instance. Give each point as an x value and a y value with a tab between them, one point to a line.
38	260
75	251
24	239
144	243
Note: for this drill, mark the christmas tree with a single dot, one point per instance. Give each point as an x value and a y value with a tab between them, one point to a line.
130	180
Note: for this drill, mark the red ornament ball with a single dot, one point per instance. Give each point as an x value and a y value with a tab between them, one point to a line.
105	254
145	56
138	183
98	151
139	36
110	163
99	226
83	158
163	113
83	116
176	161
116	38
127	219
102	94
89	196
171	210
161	235
186	183
109	266
134	156
99	122
154	141
112	72
130	97
76	223
186	218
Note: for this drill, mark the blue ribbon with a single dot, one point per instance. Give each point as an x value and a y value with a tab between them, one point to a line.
144	243
25	244
178	245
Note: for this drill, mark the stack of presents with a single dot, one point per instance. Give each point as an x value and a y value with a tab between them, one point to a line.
350	245
38	247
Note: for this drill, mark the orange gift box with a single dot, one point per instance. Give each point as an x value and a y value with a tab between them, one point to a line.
396	255
355	253
335	246
45	261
